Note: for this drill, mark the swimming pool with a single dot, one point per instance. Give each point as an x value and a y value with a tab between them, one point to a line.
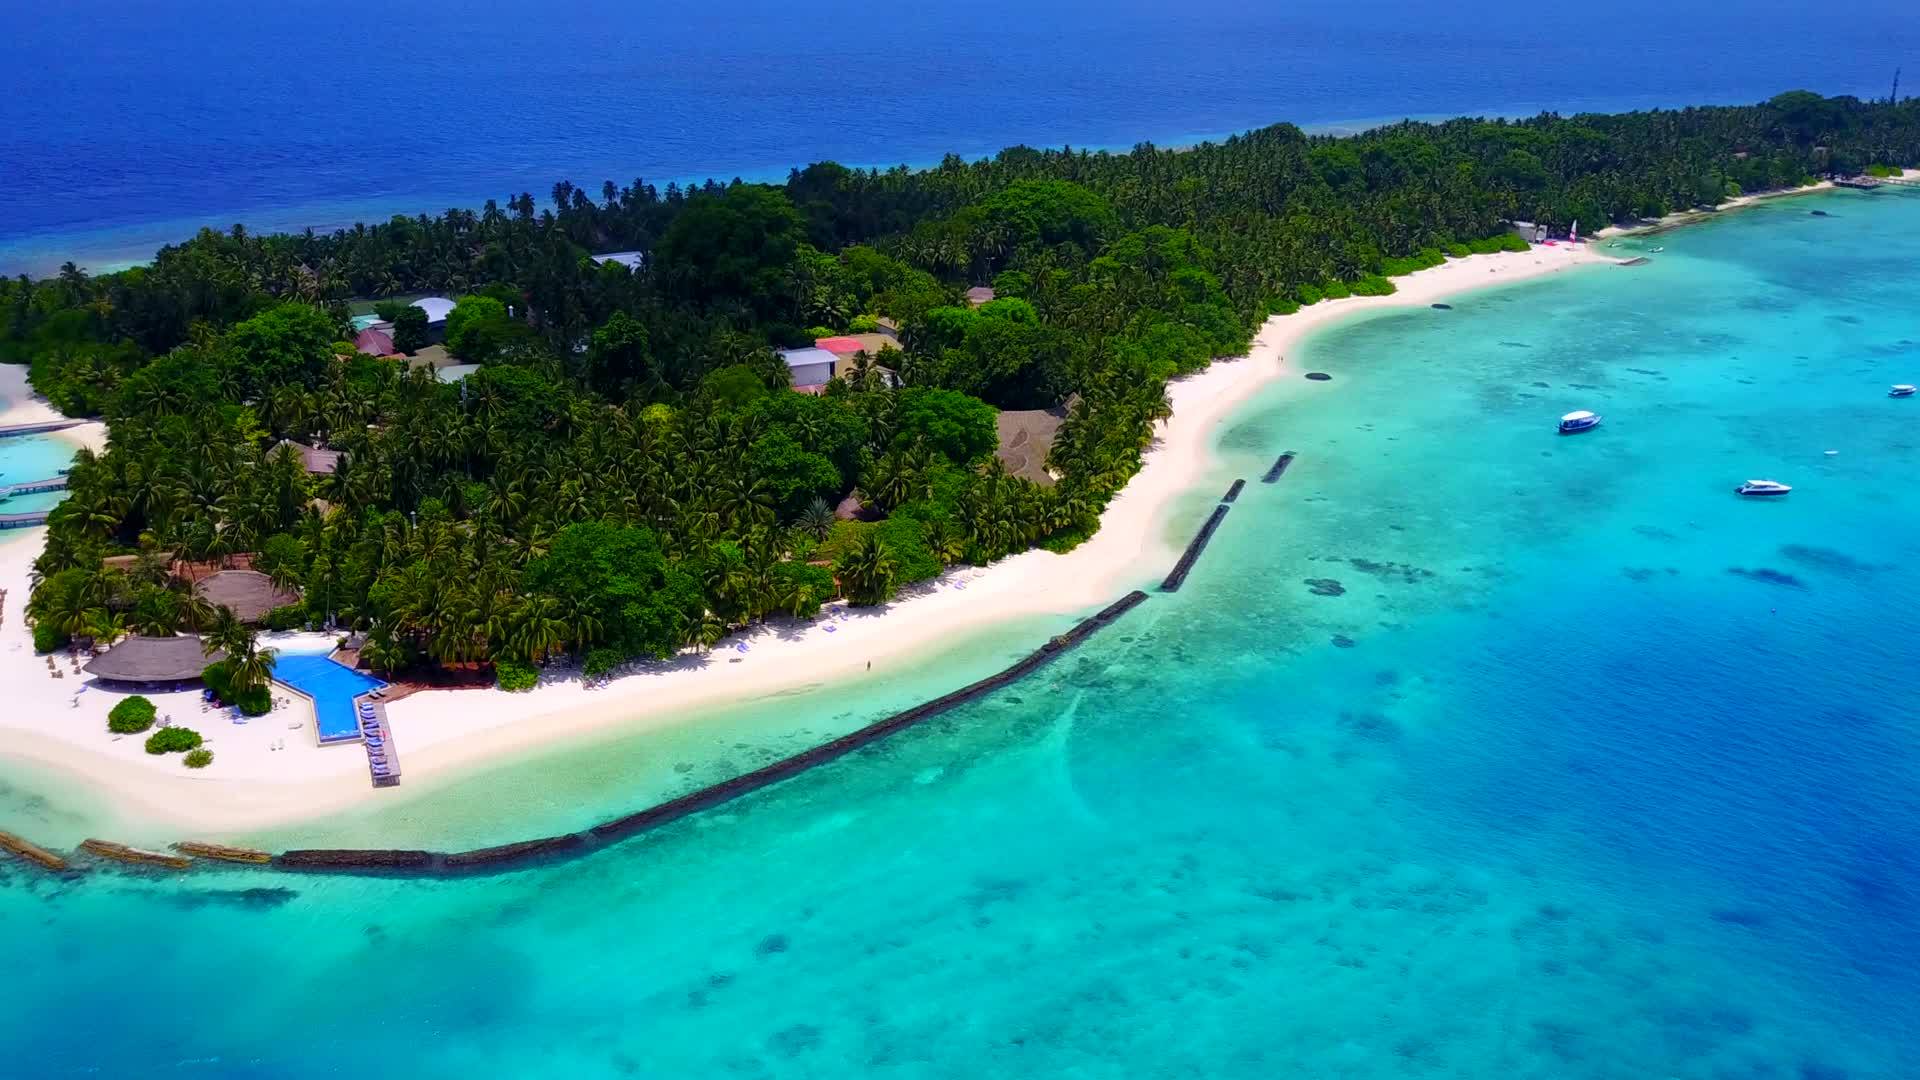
331	686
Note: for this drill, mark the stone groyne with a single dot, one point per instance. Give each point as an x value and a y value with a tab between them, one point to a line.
524	853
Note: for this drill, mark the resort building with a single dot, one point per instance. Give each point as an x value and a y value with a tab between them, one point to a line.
151	660
811	368
375	340
455	373
437	309
632	260
979	294
845	347
250	594
1026	437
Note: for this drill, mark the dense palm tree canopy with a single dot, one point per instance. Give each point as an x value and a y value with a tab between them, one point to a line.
628	473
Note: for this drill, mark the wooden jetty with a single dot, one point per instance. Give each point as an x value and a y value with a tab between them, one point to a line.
107	849
34	487
24	521
62	424
222	853
31	852
1868	183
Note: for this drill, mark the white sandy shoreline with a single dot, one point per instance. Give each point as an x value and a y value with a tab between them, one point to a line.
442	734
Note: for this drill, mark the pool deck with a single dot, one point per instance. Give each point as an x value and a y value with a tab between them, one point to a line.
378	726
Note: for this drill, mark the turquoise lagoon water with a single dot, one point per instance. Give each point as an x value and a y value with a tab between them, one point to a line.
1468	751
25	458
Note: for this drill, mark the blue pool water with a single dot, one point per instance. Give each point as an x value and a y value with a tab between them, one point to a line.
331	686
1467	751
125	124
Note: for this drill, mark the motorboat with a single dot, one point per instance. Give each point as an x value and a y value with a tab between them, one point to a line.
1759	488
1579	421
1901	390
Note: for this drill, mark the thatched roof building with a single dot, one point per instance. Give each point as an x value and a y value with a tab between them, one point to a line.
1026	437
250	593
152	660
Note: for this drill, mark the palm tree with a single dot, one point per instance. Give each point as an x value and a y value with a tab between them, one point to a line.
252	668
866	572
156	613
107	626
535	629
227	634
817	519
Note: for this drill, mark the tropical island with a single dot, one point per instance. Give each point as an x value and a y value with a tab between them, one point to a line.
486	447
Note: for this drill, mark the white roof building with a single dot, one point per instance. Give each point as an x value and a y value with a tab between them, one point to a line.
632	260
436	307
810	367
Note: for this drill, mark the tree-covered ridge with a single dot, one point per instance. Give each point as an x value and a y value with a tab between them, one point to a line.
629	474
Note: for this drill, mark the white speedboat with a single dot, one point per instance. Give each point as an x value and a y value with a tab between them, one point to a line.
1759	488
1579	421
1901	390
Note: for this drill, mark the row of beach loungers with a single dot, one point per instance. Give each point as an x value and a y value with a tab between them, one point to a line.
375	738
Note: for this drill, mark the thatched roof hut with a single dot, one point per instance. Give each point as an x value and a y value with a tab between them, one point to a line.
250	593
152	660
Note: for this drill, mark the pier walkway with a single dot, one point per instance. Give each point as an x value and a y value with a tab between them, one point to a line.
34	487
9	430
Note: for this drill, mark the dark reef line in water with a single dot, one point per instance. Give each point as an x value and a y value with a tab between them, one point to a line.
526	853
1178	575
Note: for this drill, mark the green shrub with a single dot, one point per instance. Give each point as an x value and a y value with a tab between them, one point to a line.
172	740
842	538
514	675
289	617
1882	170
864	324
1279	305
1307	295
906	541
818	332
198	759
599	662
131	716
47	637
255	702
1419	260
1336	290
1373	285
215	676
1459	251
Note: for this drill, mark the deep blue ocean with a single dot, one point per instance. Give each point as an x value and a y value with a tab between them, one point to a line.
1467	752
126	124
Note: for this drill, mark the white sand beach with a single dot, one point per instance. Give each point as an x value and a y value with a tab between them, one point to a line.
59	725
20	405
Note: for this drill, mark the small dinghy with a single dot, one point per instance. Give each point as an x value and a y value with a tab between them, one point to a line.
1575	422
1901	390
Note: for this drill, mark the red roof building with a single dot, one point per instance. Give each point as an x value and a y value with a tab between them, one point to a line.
373	342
